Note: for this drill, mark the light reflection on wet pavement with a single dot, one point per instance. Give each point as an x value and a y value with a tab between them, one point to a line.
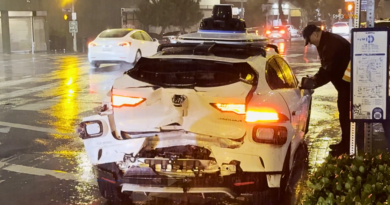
43	98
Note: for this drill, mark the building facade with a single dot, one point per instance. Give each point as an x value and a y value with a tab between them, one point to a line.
39	25
291	12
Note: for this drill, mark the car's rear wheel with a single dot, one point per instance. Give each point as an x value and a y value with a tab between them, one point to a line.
95	64
308	119
138	56
298	175
113	193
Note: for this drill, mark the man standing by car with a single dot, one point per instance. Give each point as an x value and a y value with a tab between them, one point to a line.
334	52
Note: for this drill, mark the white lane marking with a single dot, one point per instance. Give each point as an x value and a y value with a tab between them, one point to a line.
2	181
41	172
5	130
27	91
29	127
38	105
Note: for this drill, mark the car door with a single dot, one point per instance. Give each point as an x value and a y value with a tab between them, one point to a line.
137	42
150	46
297	100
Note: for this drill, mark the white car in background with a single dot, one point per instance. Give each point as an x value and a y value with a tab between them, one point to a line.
341	28
121	46
294	32
210	114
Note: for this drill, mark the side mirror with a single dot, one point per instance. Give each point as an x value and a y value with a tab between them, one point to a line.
155	39
307	83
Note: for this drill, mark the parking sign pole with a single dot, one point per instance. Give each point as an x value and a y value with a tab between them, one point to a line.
356	20
368	126
74	33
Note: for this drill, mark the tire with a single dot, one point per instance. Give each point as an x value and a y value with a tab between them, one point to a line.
275	196
138	55
95	64
113	193
308	119
267	197
298	174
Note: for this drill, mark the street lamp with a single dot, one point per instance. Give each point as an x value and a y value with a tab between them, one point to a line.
350	7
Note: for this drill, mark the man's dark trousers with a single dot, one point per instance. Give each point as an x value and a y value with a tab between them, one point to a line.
343	103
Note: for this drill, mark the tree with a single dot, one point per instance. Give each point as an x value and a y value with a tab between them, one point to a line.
330	7
282	17
165	13
254	13
187	13
145	13
308	9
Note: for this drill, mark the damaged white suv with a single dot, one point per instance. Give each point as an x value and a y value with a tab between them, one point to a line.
200	117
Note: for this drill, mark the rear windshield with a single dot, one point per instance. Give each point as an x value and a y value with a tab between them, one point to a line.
191	73
114	33
237	53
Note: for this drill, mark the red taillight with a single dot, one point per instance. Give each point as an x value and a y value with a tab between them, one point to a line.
282	31
124	44
252	116
262	114
229	107
91	44
118	100
268	32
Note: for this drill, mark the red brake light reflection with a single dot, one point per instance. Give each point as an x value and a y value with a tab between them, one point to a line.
92	44
229	107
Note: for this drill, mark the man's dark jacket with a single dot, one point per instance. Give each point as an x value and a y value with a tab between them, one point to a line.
334	52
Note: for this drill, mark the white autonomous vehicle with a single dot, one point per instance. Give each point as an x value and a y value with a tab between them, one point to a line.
218	112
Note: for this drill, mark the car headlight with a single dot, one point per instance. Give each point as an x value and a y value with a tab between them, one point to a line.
90	129
270	135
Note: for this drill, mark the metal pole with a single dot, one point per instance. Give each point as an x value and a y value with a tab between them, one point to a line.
352	139
74	34
357	13
242	9
368	126
350	23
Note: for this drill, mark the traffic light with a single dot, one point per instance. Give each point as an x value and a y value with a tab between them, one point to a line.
67	14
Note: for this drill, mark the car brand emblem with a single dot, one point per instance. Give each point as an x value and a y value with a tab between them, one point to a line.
178	100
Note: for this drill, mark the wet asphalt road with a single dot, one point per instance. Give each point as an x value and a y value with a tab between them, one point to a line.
44	96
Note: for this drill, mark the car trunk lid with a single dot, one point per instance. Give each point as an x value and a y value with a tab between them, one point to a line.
198	96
